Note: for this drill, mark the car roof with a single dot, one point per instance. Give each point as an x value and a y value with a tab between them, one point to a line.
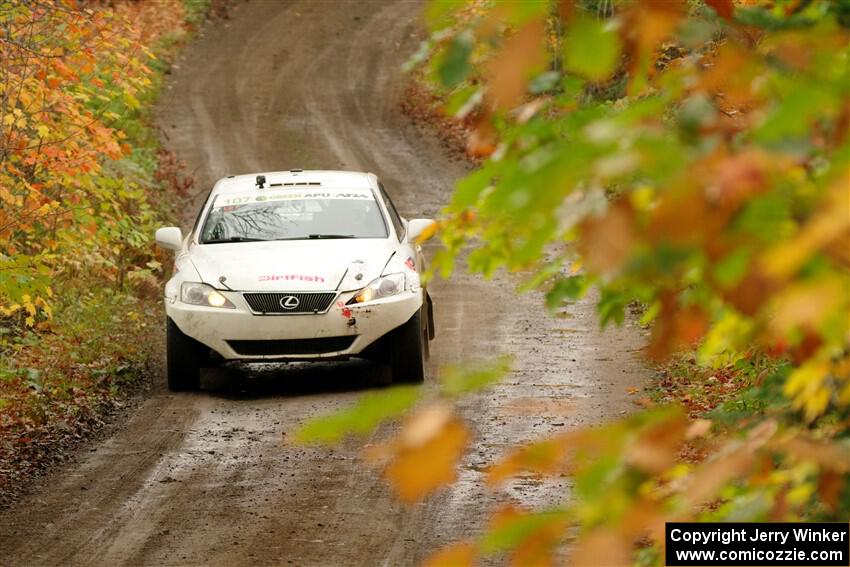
296	178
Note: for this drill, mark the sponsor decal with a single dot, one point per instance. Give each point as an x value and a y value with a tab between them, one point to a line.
233	200
291	277
345	311
410	263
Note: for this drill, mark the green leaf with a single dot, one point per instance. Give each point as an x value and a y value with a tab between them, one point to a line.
439	14
544	82
469	189
591	49
515	531
611	307
730	269
454	66
369	411
569	289
460	380
517	13
463	101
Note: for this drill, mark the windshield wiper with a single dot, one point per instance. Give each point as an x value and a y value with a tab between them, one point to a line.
234	239
318	236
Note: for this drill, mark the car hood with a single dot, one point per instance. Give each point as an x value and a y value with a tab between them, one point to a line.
297	265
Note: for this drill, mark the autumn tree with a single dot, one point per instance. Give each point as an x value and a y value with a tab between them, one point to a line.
688	158
82	188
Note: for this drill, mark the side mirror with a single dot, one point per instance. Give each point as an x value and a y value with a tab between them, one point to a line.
169	237
420	230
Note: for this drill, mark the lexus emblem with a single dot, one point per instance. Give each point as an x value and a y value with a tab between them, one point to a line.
289	302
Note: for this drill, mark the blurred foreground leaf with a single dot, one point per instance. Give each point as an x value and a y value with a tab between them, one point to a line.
369	411
424	455
457	380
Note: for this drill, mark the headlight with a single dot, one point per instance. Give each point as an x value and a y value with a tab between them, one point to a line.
382	287
202	294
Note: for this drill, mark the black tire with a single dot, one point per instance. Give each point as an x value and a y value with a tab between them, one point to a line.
408	351
184	356
432	329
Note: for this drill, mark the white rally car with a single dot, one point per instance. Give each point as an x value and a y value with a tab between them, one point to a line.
297	265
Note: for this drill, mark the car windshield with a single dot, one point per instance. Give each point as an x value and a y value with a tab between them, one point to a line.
294	214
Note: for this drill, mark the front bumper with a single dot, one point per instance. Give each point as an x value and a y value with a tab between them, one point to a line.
222	329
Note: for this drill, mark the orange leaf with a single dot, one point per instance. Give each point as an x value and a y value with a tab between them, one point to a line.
482	140
724	8
601	546
507	74
736	460
542	457
698	428
647	23
607	242
833	456
460	554
830	487
676	327
425	454
656	449
732	74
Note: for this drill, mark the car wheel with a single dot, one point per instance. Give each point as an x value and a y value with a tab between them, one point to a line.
407	356
184	356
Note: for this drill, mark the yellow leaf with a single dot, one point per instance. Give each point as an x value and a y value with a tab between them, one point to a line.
6	196
43	131
10	309
807	304
805	386
829	223
576	266
427	233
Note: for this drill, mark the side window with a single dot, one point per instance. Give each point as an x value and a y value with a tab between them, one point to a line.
394	217
201	212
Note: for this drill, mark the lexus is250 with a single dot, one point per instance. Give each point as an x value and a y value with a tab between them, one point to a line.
297	265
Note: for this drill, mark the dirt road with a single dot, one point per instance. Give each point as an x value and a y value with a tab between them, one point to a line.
208	478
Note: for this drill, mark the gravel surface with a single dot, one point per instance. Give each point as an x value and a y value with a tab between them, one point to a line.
209	478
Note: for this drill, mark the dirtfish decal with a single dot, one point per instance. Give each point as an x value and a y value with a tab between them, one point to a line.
292	277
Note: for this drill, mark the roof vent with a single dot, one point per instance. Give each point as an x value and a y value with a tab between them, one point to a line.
261	180
296	170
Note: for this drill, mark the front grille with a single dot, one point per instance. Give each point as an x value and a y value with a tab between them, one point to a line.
310	302
292	346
